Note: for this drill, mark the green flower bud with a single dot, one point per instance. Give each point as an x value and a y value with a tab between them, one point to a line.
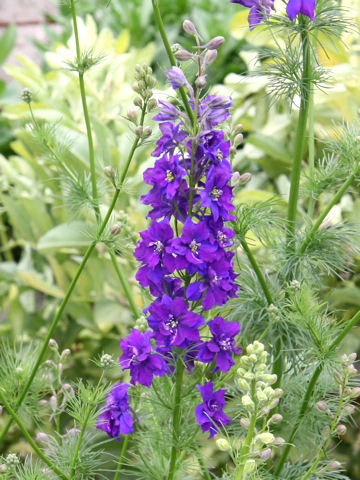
278	392
53	344
276	419
26	96
249	466
152	104
322	407
245	423
261	396
115	229
249	376
265	438
243	384
259	347
109	171
222	444
269	378
147	132
247	402
138	102
341	430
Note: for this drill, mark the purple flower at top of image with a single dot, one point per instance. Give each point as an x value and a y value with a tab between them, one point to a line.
258	10
173	323
139	359
210	414
306	7
222	345
116	417
176	77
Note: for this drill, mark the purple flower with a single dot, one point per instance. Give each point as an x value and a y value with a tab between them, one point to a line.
176	77
210	414
306	7
217	193
222	344
219	233
167	176
193	247
172	136
116	417
167	111
138	358
258	10
155	248
173	323
213	110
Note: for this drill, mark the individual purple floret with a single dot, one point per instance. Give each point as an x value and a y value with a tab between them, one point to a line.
176	77
306	7
167	111
139	359
222	345
258	10
217	194
116	418
173	323
210	414
172	136
167	176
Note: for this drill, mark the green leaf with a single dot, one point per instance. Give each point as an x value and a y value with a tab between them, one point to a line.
66	237
7	42
35	281
274	149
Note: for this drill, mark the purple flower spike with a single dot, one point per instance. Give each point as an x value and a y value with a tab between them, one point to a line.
306	7
210	414
138	358
222	344
116	417
258	10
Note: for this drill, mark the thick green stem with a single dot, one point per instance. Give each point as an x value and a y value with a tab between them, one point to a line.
257	271
245	450
28	437
60	311
300	140
311	206
170	54
121	458
176	418
124	285
86	113
322	217
308	394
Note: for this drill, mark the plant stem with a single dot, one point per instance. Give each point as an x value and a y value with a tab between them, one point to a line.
257	271
305	403
124	285
311	206
60	311
133	148
122	455
176	418
27	435
86	113
246	447
321	218
170	54
78	444
300	140
203	467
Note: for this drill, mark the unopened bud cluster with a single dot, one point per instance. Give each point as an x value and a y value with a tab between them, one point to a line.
11	460
106	361
141	324
144	83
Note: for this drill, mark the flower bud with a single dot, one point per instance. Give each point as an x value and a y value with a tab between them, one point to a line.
53	344
243	384
351	370
265	437
65	354
26	96
138	102
279	441
249	466
355	392
295	284
189	27
245	423
115	229
183	55
147	132
176	77
322	407
53	403
209	57
109	171
222	444
269	378
349	410
215	43
132	115
235	179
42	437
352	357
152	104
200	82
12	459
68	388
247	402
258	346
341	430
139	131
265	454
106	360
3	468
238	140
261	396
276	419
334	465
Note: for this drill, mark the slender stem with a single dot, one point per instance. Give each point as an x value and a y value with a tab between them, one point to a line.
170	54
60	311
321	218
176	418
86	113
78	444
305	403
203	467
28	437
311	206
300	140
244	453
124	285
257	271
133	148
122	455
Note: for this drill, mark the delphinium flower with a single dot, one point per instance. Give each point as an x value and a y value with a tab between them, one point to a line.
258	10
306	7
116	418
184	255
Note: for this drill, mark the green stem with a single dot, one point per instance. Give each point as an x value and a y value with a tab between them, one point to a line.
60	311
203	467
176	418
300	140
170	54
257	271
244	453
321	218
86	114
305	403
122	455
133	148
124	285
78	444
28	437
311	206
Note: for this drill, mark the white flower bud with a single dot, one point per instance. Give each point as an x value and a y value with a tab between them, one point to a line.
265	437
253	358
279	441
200	82
247	402
245	423
250	349
222	444
147	132
265	454
261	396
352	357
334	465
53	344
138	102
274	403
249	376
53	403
189	27
238	140
249	466
42	437
243	384
245	178
278	392
65	354
269	378
209	57
239	128
322	407
276	419
152	104
12	459
349	410
295	285
355	392
109	171
351	370
139	131
341	430
115	229
235	179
